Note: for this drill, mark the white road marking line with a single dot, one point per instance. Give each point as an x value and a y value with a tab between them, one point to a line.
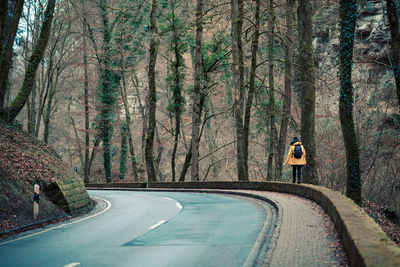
72	264
177	203
64	224
157	224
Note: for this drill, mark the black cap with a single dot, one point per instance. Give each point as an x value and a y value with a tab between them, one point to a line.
295	139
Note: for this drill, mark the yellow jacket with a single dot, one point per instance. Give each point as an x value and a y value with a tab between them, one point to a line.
291	160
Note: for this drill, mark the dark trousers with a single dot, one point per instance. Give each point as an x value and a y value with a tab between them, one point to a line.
298	168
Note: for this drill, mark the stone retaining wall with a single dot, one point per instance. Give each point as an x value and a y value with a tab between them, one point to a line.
364	241
68	194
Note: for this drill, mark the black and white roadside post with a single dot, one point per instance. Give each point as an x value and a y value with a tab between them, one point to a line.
36	193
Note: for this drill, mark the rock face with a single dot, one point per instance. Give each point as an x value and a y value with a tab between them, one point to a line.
375	103
371	47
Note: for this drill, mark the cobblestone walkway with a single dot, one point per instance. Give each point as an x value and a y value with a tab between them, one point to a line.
305	234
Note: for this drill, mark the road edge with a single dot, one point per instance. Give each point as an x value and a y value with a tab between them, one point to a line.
363	240
51	226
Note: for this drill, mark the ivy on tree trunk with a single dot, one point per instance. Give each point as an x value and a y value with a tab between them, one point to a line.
11	112
125	99
348	17
7	36
108	93
177	46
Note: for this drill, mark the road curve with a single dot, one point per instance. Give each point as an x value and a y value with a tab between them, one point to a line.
152	229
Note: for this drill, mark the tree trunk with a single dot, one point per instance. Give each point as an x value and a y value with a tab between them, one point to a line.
3	24
211	140
175	147
307	87
49	109
144	134
94	152
28	115
160	150
186	165
109	83
393	10
271	83
238	72
252	84
188	158
20	100
144	127
7	50
124	150
46	87
178	46
348	16
129	132
86	99
196	94
126	108
25	52
32	111
151	174
288	89
77	139
47	116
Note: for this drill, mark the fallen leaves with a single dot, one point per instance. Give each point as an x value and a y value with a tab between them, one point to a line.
7	224
20	159
378	214
25	161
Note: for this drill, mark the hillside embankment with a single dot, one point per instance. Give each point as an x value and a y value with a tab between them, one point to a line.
24	162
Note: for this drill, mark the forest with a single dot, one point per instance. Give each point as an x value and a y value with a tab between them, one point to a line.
210	90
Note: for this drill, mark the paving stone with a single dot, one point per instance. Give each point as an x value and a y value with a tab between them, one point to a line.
305	234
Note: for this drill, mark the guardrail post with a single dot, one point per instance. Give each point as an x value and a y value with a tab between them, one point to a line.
36	194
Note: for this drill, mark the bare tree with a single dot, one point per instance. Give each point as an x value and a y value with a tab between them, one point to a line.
288	88
196	93
307	87
252	83
86	97
151	173
238	74
271	84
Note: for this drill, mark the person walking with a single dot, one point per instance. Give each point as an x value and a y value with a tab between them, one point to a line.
296	158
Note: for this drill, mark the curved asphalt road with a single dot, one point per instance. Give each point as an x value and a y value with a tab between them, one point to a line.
151	229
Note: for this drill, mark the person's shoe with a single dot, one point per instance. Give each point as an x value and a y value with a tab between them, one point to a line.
299	182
